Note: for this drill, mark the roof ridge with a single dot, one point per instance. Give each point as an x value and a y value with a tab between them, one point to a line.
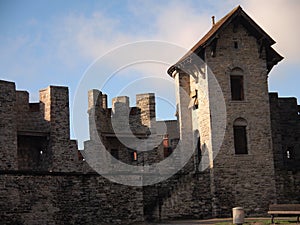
215	27
219	25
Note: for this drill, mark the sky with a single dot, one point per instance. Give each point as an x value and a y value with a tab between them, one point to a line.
53	42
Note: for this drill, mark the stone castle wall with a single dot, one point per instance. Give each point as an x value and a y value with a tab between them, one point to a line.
188	194
121	127
184	195
66	198
8	126
286	144
42	178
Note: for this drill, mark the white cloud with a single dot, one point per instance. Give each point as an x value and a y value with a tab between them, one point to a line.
77	39
81	37
279	19
181	24
91	36
176	22
54	49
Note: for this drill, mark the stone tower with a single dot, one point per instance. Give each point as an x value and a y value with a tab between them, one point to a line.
237	54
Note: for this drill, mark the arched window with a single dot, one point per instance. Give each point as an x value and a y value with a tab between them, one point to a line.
237	84
240	136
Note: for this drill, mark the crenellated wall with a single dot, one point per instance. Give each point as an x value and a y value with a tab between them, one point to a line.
43	179
121	127
286	144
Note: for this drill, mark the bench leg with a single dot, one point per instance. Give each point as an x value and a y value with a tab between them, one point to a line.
272	219
298	219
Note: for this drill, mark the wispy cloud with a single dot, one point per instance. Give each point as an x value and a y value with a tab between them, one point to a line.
280	20
66	42
57	49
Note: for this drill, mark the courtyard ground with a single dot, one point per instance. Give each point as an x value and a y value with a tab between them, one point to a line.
228	221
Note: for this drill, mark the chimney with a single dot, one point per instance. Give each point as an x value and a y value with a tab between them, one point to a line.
213	20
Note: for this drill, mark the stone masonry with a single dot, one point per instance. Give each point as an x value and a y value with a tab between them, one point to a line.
245	142
237	48
43	179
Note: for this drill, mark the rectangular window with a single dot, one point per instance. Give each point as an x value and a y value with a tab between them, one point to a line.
31	151
240	139
237	87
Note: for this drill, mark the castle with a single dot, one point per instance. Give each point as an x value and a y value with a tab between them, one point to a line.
245	142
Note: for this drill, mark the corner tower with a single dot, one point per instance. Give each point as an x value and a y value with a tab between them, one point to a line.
238	53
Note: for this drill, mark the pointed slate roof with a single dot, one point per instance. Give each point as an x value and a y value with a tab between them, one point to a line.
237	15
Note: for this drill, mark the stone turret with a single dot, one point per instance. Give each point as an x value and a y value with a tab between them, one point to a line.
146	103
8	126
54	102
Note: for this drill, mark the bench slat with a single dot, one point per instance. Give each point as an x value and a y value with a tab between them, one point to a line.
284	212
284	207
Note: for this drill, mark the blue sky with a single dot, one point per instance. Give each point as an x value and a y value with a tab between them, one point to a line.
53	42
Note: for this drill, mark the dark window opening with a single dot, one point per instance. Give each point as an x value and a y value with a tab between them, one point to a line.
174	143
196	100
236	46
240	139
32	151
199	153
115	154
237	89
167	151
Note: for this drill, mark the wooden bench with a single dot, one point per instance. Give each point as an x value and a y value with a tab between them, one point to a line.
284	209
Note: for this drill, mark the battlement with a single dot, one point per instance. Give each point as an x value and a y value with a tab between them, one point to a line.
286	131
36	135
119	126
97	99
140	117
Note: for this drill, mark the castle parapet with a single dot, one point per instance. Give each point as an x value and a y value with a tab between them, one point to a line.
36	136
